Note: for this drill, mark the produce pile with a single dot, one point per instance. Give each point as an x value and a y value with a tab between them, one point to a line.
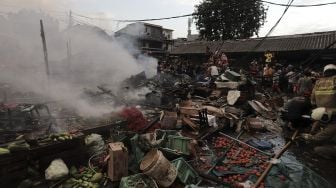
15	146
238	162
60	137
84	177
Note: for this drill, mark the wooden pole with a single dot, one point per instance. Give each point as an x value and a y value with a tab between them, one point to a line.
70	19
277	156
45	51
69	58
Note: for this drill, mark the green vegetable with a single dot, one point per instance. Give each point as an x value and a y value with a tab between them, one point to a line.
77	176
4	151
85	184
88	175
95	185
96	177
69	183
18	147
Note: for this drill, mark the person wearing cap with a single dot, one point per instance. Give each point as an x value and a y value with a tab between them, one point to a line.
324	98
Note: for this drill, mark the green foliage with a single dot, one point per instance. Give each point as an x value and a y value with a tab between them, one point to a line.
229	19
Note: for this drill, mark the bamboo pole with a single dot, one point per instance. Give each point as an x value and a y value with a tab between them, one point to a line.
277	156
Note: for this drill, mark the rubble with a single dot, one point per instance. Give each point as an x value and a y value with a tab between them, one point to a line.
180	134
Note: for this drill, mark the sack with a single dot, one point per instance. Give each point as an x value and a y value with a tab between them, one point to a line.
56	170
95	144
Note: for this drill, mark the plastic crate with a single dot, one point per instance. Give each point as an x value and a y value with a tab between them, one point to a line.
179	144
185	172
136	181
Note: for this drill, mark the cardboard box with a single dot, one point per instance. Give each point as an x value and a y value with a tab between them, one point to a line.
118	162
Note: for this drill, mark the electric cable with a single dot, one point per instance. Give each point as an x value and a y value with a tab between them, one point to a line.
135	20
300	6
270	31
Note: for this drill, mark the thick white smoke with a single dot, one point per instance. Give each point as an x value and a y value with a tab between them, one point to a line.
96	59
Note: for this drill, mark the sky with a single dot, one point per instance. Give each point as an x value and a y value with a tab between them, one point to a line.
297	20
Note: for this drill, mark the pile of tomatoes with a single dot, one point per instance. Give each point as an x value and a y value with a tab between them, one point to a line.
222	142
239	155
235	179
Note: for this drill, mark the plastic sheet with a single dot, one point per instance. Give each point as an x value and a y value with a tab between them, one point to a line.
290	173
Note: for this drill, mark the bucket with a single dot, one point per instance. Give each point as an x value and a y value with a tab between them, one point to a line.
155	165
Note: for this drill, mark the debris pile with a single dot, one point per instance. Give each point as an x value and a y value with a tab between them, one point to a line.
182	134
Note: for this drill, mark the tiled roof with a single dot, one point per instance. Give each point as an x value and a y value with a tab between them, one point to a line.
309	41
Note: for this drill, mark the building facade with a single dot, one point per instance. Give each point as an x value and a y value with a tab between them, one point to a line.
149	38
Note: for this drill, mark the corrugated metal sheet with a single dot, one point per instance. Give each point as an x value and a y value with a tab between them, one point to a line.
310	41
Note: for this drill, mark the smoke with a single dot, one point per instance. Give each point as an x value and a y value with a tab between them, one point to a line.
95	58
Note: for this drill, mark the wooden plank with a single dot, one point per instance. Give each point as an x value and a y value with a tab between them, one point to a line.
190	123
189	111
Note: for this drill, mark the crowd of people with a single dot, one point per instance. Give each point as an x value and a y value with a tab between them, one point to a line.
179	67
283	79
310	94
217	64
307	90
289	80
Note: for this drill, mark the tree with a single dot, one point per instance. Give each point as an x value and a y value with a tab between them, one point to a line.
229	19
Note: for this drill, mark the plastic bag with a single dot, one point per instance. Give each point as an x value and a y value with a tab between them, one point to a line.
56	170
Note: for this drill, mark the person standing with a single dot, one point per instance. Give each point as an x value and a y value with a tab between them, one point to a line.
254	69
276	79
268	73
324	98
290	77
305	84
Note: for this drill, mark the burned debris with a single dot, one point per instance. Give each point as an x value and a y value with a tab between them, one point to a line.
173	134
112	115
